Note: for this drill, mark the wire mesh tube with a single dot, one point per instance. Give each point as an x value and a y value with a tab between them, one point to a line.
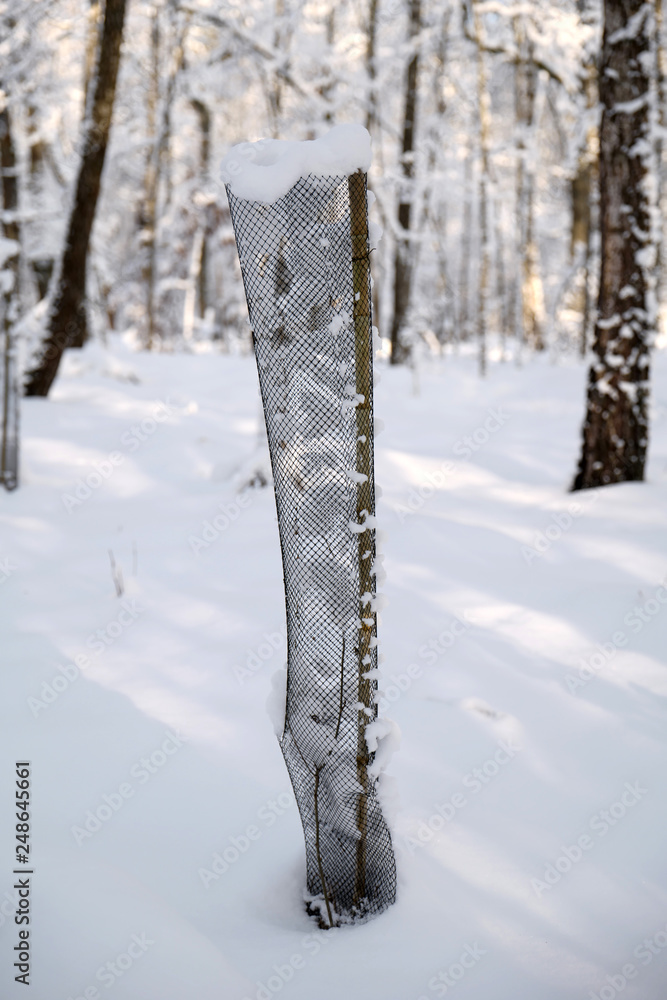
305	266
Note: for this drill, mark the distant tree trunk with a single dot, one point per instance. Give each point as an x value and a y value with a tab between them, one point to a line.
483	125
434	215
463	314
501	287
530	283
204	116
371	69
402	262
92	42
67	318
326	90
148	218
10	273
157	177
615	431
583	186
371	121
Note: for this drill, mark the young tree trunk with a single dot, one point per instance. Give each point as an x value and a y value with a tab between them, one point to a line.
67	318
402	262
615	431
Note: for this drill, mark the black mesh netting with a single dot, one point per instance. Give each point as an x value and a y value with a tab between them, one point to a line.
305	265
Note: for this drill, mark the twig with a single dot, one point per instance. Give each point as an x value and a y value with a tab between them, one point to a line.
317	846
340	707
116	575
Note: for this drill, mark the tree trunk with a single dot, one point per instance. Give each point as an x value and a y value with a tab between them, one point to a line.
157	177
67	318
92	43
531	316
615	431
371	70
204	116
463	314
583	188
402	262
483	123
151	182
661	131
9	269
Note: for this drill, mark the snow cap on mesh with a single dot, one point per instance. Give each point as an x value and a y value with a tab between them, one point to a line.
264	171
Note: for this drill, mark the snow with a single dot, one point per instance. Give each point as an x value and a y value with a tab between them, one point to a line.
530	693
264	171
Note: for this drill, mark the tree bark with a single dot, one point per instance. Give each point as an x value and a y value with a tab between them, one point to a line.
151	183
484	177
8	389
204	117
531	316
402	263
67	318
615	431
661	94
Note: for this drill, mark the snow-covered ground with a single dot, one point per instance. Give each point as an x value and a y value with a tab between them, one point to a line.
524	636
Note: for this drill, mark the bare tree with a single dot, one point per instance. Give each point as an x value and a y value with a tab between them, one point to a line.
525	92
484	180
9	273
402	263
615	432
67	317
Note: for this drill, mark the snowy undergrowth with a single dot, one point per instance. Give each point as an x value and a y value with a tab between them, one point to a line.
524	648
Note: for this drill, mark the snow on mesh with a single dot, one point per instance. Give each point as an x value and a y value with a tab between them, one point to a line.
265	171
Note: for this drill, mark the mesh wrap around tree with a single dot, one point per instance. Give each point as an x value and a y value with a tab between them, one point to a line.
305	266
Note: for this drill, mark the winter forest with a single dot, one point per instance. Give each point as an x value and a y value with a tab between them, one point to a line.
333	491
